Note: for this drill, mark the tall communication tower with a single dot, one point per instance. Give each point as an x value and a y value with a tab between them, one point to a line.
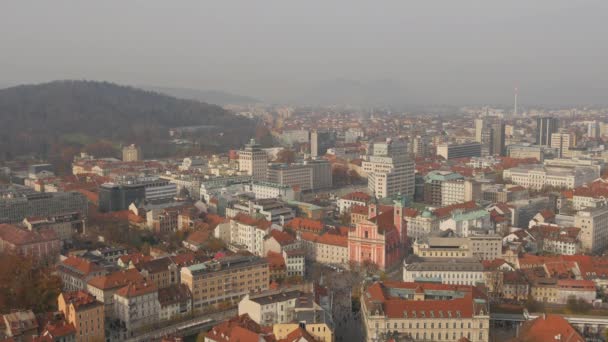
515	104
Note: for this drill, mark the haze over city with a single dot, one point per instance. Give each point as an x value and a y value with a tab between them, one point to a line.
303	171
319	52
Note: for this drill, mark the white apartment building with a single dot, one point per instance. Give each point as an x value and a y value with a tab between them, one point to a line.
390	170
581	202
253	161
248	233
326	248
353	198
270	307
295	262
136	306
594	229
459	191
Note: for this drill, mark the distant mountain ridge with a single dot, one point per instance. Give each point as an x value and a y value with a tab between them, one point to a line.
36	116
217	97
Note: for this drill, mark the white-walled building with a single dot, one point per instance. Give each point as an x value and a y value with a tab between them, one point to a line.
353	198
270	307
594	229
263	190
449	271
248	233
253	161
136	306
390	170
536	176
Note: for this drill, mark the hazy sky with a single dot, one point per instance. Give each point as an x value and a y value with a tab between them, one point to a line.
453	51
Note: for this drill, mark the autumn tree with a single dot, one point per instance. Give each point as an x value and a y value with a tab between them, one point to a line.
27	283
101	149
286	156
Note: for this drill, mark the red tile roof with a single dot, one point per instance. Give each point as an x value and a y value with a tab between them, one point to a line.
250	221
547	328
135	258
359	209
198	237
239	329
357	196
81	300
385	220
136	290
447	211
282	238
59	329
117	279
298	335
19	237
82	265
301	223
394	307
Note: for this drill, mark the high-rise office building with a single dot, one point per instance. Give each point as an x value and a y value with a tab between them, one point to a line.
320	141
478	129
562	141
420	146
254	161
593	129
491	136
545	126
116	197
391	172
498	138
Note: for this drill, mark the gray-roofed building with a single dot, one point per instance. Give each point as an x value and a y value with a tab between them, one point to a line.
463	271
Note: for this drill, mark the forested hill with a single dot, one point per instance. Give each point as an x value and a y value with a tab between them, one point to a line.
33	118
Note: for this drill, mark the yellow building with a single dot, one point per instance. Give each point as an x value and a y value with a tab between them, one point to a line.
225	279
545	291
320	331
85	313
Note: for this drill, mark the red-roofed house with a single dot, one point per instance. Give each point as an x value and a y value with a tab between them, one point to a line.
278	241
239	329
276	266
75	272
38	244
85	313
247	233
326	248
354	198
18	325
104	287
